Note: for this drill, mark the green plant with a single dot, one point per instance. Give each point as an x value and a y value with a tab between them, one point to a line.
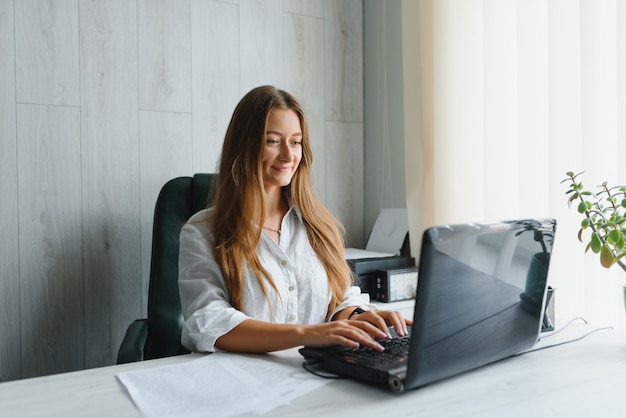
604	215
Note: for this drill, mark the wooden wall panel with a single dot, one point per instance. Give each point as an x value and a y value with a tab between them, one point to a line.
46	45
164	55
344	60
343	48
304	78
215	76
314	8
261	44
344	178
9	271
50	245
110	169
165	153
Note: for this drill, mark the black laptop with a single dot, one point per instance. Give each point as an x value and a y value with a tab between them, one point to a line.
480	298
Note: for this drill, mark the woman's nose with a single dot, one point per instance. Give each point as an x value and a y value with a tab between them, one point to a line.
285	151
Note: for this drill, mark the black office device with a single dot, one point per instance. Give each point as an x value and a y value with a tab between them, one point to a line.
364	269
480	298
395	284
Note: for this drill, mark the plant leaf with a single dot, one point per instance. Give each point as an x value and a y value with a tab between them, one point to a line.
606	257
596	244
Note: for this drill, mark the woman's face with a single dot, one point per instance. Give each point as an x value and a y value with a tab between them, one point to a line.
282	151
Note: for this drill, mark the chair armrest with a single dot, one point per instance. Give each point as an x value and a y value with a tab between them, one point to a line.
132	346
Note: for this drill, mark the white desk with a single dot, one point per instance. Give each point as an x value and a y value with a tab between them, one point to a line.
583	378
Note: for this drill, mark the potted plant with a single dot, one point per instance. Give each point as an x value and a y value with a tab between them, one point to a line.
604	217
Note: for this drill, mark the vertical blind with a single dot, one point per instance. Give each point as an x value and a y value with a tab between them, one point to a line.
502	98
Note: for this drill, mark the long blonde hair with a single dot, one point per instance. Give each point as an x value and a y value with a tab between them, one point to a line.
239	194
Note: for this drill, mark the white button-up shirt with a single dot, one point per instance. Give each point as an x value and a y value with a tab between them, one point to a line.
303	292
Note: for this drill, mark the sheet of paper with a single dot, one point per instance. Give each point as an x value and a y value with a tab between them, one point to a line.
387	236
217	385
389	231
356	254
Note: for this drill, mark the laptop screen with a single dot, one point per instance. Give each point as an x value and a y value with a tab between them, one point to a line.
480	295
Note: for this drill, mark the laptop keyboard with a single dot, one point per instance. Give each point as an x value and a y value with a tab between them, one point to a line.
396	353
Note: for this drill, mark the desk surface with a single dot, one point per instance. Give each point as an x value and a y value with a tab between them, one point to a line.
582	378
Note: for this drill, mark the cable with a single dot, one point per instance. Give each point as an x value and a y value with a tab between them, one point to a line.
565	327
568	341
306	365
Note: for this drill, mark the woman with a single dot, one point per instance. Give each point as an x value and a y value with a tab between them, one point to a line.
263	269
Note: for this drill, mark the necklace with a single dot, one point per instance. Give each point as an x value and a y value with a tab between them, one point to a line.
272	229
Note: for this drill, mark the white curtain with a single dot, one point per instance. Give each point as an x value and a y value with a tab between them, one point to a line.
502	98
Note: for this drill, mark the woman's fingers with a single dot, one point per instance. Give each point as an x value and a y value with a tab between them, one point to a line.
385	319
374	318
361	330
343	332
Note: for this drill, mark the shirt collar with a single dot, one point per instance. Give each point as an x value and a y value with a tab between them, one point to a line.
296	211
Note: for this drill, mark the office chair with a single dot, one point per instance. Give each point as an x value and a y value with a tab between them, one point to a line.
158	335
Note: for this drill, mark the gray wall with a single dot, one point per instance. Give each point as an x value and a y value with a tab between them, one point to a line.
101	102
384	176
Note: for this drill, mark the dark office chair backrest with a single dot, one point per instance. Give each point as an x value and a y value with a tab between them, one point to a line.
178	200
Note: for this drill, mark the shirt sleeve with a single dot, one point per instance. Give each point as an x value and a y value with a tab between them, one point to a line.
354	297
204	299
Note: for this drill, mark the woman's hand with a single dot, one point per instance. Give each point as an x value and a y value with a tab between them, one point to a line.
361	329
383	320
344	332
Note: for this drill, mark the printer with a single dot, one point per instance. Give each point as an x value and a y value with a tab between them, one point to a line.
386	251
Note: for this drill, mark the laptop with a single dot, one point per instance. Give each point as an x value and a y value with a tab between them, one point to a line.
480	298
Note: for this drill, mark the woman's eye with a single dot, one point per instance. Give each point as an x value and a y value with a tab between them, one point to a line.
271	141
